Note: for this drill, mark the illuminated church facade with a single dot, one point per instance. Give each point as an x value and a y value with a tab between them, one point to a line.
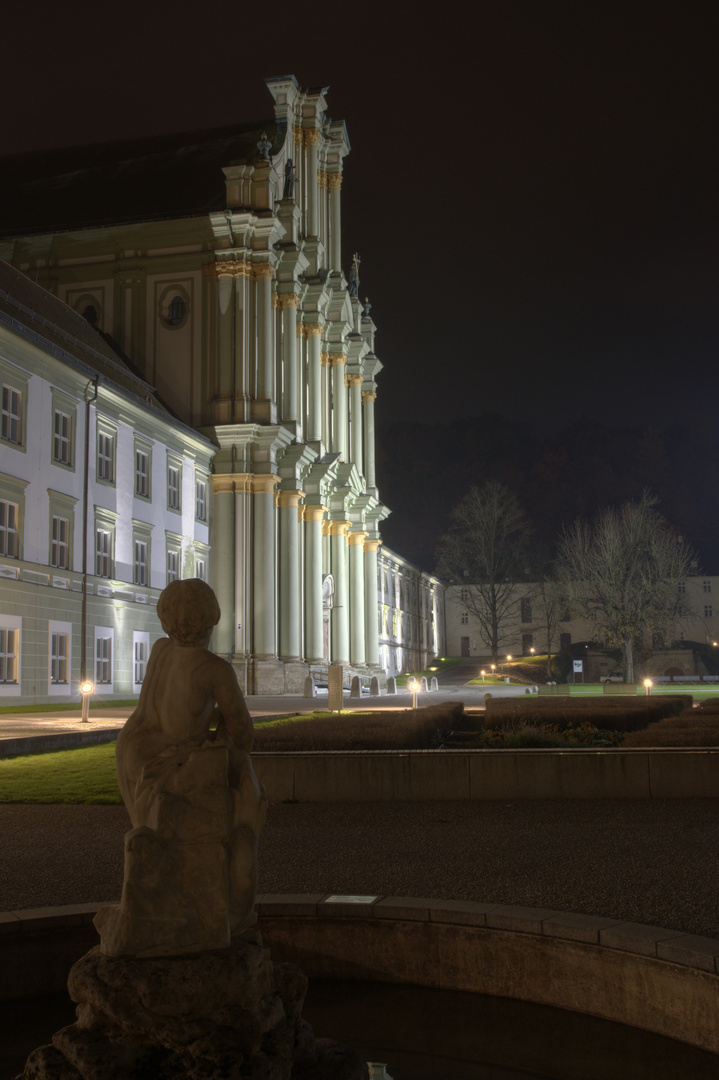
212	261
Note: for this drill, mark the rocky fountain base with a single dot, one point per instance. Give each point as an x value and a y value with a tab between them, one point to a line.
230	1014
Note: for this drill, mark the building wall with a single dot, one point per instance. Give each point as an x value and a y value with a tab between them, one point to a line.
410	615
39	599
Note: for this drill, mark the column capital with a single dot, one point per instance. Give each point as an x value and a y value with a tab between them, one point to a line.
263	270
311	136
227	268
223	483
263	483
309	329
313	513
338	528
297	133
356	539
368	395
322	178
325	359
289	498
334	181
286	300
372	544
354	380
336	359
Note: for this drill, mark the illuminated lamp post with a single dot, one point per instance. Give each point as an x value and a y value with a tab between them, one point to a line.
86	689
414	687
482	674
648	686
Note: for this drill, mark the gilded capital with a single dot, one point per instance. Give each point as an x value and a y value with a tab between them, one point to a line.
334	181
227	268
312	136
230	483
325	359
287	300
371	545
322	178
289	498
313	329
263	270
313	513
356	539
263	483
354	380
326	530
339	528
296	133
336	359
368	395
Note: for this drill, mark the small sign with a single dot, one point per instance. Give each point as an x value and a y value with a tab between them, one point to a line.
578	666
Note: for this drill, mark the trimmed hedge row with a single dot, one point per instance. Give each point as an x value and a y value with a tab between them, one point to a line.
404	729
626	715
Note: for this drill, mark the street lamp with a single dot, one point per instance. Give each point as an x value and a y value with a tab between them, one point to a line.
86	689
493	667
482	674
414	687
648	686
531	650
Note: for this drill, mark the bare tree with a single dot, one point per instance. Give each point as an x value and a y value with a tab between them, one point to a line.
550	604
623	571
485	551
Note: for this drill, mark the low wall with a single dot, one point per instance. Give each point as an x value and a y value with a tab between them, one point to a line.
659	980
369	776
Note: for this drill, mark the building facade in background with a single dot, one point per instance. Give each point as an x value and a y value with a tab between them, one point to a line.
213	262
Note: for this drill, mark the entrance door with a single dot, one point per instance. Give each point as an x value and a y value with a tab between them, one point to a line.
464	644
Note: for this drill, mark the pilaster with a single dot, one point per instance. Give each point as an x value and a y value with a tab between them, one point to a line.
340	610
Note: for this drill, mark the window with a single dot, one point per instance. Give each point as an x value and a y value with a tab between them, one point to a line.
707	586
9	539
682	587
103	561
526	609
708	611
141	652
201	500
141	568
105	457
9	644
173	565
103	661
465	618
202	557
59	545
174	485
201	569
142	474
62	438
176	311
464	594
58	658
11	415
527	643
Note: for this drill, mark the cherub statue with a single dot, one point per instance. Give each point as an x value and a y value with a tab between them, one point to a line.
185	774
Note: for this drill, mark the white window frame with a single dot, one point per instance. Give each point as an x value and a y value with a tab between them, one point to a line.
105	526
12	428
174	482
62	438
60	542
103	655
140	657
59	630
105	457
11	624
142	463
9	529
141	568
173	565
201	484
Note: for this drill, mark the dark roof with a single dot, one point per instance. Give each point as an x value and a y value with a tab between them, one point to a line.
38	316
163	176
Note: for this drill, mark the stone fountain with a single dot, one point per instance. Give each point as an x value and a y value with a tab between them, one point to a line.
180	985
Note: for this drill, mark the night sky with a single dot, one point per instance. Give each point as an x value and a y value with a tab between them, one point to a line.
532	188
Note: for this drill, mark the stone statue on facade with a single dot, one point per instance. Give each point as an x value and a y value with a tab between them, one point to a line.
353	283
289	188
181	986
367	308
264	146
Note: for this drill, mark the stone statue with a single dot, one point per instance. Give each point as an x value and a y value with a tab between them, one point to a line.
289	189
367	308
353	283
195	804
264	146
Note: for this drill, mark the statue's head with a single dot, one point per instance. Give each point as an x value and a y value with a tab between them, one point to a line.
188	610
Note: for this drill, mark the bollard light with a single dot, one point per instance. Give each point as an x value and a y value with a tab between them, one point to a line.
509	657
86	689
531	650
482	674
648	686
414	687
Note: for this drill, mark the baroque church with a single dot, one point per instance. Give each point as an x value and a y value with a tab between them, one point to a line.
211	263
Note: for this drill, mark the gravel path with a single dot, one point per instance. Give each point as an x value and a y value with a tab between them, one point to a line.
650	861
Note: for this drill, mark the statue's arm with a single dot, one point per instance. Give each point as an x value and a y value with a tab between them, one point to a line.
236	718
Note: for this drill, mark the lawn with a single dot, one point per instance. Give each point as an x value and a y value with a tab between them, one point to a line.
440	665
86	775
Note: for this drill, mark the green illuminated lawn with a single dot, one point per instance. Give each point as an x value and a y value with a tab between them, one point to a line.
86	775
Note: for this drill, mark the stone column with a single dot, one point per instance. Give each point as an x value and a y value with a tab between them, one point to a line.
334	181
265	389
326	400
226	299
243	547
223	561
263	575
288	304
358	654
314	379
355	386
340	611
289	584
371	603
312	139
339	405
314	644
368	399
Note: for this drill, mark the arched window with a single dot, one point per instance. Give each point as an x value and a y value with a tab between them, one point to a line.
90	313
176	311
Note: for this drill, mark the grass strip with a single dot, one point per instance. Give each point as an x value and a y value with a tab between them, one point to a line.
83	775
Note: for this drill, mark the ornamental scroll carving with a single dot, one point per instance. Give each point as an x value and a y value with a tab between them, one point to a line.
263	270
336	359
312	136
286	300
353	380
334	181
369	395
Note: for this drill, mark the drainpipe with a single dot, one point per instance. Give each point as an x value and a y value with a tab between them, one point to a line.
85	486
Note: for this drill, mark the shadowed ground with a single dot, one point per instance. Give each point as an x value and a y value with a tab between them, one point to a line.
652	861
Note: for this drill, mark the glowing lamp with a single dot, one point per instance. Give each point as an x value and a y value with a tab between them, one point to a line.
86	689
648	686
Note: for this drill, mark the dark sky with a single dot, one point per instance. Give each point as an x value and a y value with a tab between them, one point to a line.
532	185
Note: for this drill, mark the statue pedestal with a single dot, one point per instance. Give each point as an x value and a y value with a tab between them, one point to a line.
217	1015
